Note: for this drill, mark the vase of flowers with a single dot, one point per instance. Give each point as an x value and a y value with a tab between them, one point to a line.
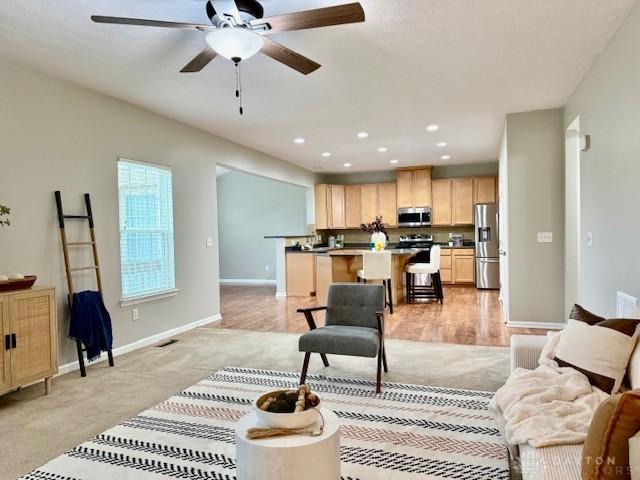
379	236
4	212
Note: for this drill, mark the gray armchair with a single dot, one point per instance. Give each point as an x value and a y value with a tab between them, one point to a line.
354	326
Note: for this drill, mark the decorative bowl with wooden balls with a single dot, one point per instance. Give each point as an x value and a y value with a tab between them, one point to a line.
293	408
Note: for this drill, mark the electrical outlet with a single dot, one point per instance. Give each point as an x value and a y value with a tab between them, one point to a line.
135	314
209	242
589	239
267	268
545	237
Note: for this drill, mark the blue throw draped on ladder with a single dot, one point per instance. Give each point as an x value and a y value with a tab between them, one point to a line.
91	323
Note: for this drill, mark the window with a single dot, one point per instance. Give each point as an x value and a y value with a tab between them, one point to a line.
146	229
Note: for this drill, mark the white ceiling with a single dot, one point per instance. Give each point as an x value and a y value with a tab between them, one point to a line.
462	64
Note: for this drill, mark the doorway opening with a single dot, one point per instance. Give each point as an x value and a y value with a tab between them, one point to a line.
572	215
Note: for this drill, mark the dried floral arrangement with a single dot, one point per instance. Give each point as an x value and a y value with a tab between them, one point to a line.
375	227
4	212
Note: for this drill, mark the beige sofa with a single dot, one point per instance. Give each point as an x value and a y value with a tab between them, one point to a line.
559	462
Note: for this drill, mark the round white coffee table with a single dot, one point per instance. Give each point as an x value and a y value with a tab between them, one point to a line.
289	458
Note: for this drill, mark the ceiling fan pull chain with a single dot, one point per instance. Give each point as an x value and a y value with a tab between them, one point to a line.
238	84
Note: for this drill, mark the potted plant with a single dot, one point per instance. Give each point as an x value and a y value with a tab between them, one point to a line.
379	236
4	212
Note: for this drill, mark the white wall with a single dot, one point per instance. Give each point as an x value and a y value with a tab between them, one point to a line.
535	152
608	103
56	135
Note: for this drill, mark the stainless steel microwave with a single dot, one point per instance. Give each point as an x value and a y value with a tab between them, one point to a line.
414	217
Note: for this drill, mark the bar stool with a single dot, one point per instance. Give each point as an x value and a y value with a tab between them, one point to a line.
377	266
432	268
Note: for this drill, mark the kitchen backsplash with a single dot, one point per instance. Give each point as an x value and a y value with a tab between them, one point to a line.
440	234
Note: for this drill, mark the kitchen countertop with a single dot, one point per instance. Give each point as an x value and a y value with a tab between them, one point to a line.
306	235
350	248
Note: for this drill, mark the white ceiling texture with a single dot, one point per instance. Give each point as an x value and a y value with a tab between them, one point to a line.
462	64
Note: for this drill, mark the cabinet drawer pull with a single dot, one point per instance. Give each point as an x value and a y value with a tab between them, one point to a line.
14	343
7	342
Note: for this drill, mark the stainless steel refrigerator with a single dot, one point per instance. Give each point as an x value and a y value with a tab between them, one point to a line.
487	246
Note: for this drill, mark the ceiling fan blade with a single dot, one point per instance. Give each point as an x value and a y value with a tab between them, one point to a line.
227	7
290	58
322	17
150	23
200	61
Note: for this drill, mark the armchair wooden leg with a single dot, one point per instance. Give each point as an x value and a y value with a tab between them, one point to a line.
390	295
384	359
379	372
305	367
324	359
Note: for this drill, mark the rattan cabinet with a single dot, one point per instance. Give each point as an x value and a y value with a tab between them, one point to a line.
29	338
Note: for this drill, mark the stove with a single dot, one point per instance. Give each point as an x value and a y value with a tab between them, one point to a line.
415	241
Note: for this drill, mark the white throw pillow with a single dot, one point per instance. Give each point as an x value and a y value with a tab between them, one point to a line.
600	352
634	456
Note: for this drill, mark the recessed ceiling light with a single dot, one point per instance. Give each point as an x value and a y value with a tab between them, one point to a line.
347	165
394	161
433	128
326	154
382	149
298	141
363	135
445	157
442	144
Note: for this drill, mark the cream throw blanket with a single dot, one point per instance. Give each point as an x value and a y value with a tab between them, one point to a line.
550	405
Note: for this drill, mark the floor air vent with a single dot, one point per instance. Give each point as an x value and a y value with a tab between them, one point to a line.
625	305
167	343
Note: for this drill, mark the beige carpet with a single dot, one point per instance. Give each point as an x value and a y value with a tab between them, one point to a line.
37	428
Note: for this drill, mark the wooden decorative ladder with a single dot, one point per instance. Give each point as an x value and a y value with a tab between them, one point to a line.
95	267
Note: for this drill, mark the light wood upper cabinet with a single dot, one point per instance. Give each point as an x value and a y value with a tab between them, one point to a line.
368	202
462	201
485	190
422	187
352	201
5	359
387	208
414	188
321	197
336	194
404	183
441	209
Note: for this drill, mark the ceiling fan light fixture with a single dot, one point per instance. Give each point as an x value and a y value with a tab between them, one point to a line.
235	43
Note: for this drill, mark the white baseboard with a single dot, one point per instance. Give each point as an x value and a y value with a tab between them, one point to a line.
540	325
144	342
246	281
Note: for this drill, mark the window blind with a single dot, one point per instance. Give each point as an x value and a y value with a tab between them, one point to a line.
146	229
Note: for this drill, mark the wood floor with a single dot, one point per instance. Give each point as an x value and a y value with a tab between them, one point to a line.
468	316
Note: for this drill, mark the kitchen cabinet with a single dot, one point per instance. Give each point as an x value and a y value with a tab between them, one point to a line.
441	209
485	190
414	187
387	208
352	209
301	274
368	202
404	184
457	266
29	329
321	198
462	205
337	213
463	265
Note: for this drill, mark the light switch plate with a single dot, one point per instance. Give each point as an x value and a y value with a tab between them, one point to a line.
545	237
209	242
589	239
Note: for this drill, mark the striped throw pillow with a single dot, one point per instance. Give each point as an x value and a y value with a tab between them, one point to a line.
598	348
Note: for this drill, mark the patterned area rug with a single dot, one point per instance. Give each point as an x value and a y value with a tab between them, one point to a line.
408	432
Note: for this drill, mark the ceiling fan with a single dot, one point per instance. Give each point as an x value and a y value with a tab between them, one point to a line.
238	31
